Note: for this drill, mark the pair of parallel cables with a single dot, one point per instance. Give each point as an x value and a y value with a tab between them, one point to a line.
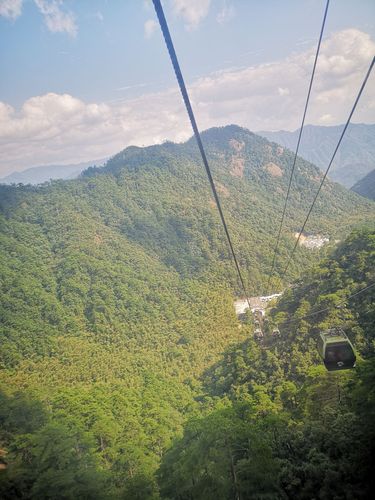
339	305
185	96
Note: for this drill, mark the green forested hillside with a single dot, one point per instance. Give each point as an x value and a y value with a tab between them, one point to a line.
273	423
102	349
117	296
161	200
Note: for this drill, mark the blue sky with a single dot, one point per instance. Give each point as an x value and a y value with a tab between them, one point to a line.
101	67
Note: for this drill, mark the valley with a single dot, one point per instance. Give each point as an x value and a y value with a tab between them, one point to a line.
121	341
187	305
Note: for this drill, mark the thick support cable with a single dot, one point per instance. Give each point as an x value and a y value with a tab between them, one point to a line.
185	96
330	163
297	148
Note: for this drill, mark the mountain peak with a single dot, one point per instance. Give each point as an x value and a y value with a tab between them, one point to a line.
225	133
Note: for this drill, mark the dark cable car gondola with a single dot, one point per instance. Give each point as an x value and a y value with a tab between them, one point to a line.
258	334
336	350
276	332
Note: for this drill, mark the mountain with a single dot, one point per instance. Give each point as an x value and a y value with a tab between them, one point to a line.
355	157
366	186
251	176
117	296
38	175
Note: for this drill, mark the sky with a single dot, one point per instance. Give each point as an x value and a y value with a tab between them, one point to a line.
83	79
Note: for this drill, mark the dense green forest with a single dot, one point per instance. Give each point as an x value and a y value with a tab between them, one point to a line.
124	370
274	424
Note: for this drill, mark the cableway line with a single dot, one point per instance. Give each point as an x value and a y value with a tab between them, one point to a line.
189	109
329	165
297	148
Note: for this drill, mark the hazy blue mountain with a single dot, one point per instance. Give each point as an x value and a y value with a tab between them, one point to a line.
366	186
38	175
355	157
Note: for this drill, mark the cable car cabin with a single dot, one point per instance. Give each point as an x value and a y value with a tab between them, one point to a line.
276	332
336	350
258	334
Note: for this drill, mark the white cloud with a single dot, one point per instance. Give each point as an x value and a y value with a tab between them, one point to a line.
283	91
226	14
193	11
272	96
57	21
99	16
326	119
147	5
60	128
130	87
10	9
150	27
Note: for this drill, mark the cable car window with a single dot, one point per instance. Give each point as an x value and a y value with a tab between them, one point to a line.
339	353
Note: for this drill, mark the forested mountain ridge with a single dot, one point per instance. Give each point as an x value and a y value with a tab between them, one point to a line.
251	176
366	186
117	295
354	159
159	197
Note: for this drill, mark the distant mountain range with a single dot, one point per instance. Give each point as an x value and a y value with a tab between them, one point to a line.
354	160
355	157
38	175
366	186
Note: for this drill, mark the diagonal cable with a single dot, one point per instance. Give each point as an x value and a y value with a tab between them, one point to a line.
185	96
330	308
330	163
297	148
